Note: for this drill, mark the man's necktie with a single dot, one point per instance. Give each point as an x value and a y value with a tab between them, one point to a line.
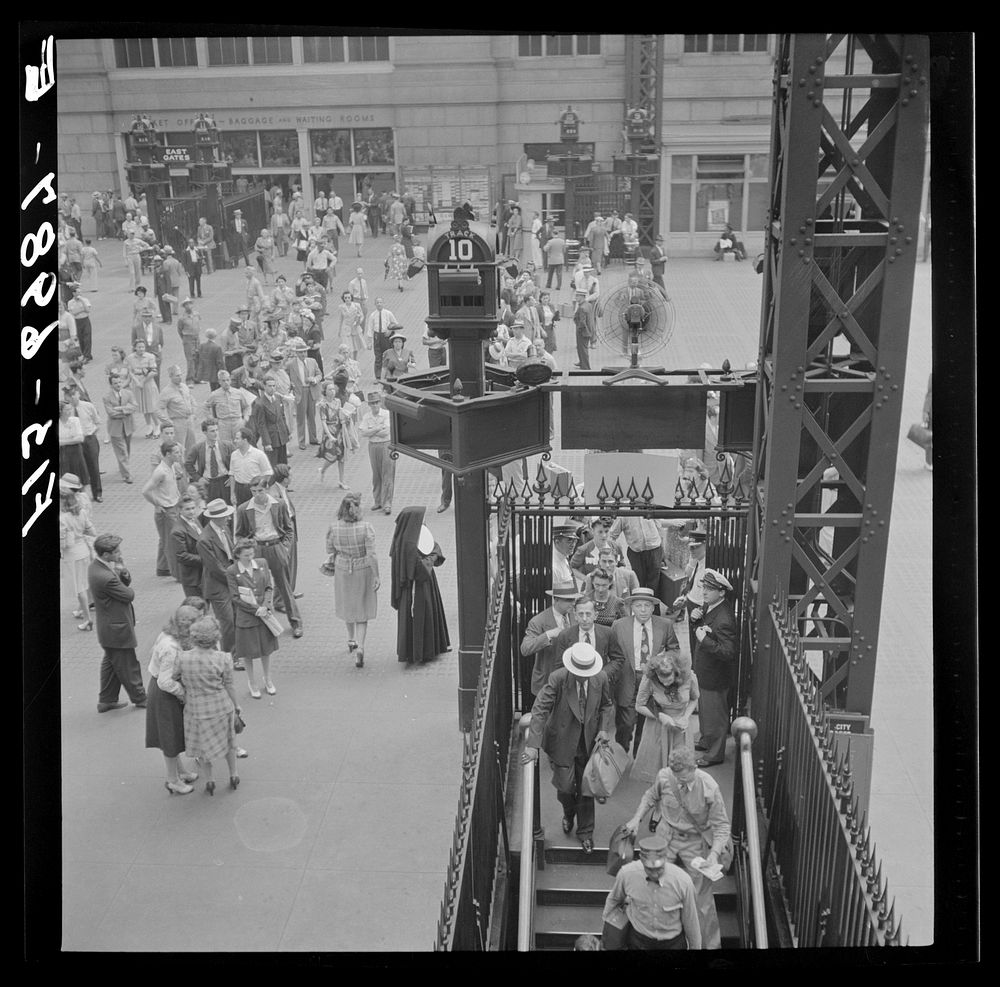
583	700
644	648
213	464
586	635
380	320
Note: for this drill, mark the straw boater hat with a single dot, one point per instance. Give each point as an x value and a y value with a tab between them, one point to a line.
582	660
563	591
297	343
716	580
640	594
217	509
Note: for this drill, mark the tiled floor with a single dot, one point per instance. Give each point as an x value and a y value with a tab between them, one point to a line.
307	854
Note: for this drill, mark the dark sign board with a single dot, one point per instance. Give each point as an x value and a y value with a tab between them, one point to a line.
736	411
638	417
539	152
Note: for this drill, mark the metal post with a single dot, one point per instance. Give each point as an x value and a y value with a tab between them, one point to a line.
473	575
526	885
744	730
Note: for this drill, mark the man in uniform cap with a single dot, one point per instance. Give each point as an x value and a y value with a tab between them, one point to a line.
652	904
693	599
715	659
573	713
564	541
695	825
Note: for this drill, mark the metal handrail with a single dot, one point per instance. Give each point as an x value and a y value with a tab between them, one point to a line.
526	884
744	730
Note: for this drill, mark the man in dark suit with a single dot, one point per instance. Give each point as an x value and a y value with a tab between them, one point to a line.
634	640
573	713
541	632
715	663
112	595
184	544
267	522
215	549
210	459
586	630
267	418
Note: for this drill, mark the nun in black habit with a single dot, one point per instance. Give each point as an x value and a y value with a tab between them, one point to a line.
422	632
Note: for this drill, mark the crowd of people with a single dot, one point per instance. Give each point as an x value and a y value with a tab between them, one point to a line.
226	527
608	669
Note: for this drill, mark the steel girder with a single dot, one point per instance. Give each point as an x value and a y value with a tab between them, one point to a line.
644	88
848	132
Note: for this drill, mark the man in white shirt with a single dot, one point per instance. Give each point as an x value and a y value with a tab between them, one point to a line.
337	205
246	462
89	422
437	348
162	492
358	288
228	406
645	548
375	427
320	205
381	325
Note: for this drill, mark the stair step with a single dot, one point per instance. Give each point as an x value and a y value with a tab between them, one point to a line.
572	853
559	925
572	884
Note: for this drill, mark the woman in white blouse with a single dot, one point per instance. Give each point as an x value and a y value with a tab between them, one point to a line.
76	533
71	444
165	700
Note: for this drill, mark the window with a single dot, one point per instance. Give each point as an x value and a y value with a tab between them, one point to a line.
279	148
554	208
534	45
272	51
134	53
725	42
368	49
529	44
175	52
322	50
330	147
559	44
373	146
228	51
239	147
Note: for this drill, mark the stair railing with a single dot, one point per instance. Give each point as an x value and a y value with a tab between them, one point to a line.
526	882
744	730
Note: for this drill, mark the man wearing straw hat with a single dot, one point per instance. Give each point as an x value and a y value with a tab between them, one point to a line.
715	659
573	713
634	640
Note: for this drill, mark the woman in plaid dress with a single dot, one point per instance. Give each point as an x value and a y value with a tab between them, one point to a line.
351	544
209	701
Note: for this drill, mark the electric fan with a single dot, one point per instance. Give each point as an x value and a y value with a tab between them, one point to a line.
637	320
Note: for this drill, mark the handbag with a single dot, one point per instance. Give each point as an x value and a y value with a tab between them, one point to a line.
920	435
608	765
168	298
621	850
328	568
239	725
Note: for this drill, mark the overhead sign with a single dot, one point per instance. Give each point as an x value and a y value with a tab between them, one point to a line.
176	155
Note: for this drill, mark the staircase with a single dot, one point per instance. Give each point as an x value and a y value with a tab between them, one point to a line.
571	890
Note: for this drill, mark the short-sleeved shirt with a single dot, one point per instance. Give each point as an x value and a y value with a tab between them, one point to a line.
656	909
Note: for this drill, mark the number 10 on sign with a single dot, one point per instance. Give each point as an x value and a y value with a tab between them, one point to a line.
461	250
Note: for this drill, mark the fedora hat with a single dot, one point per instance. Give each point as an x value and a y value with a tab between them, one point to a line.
70	481
582	660
218	508
563	591
297	343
